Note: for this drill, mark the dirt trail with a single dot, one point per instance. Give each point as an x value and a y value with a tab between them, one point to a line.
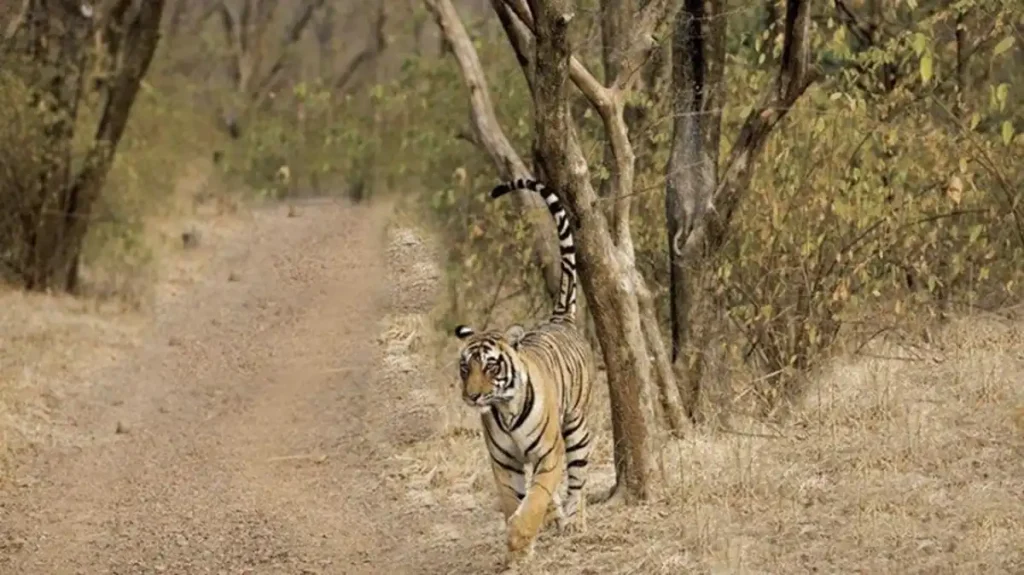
249	433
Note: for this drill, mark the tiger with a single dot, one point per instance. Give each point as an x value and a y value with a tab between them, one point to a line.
532	389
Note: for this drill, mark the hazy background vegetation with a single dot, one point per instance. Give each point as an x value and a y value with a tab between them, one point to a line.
889	194
886	202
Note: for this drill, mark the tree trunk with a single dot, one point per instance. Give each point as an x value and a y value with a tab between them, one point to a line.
55	41
692	171
135	50
700	204
605	278
129	33
615	28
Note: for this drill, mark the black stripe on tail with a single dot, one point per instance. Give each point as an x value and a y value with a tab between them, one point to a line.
565	306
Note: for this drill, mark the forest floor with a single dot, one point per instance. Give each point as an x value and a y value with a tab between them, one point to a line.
283	408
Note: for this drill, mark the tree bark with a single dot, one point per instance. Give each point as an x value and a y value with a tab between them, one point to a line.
701	203
607	260
692	171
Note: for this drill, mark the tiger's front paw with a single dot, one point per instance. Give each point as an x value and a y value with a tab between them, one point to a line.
517	560
520	537
519	545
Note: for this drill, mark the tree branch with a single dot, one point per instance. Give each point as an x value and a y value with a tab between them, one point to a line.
645	34
598	95
485	122
610	104
518	35
299	23
503	155
368	53
232	32
793	79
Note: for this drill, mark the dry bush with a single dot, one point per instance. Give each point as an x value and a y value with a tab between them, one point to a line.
21	158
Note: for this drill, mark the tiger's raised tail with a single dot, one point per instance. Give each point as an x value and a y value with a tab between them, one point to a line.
565	306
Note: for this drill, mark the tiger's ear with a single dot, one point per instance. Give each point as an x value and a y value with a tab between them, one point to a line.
463	331
514	335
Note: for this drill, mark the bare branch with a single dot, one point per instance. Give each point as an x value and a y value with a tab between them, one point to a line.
610	105
504	156
519	37
298	25
368	53
864	34
232	31
645	38
491	136
598	95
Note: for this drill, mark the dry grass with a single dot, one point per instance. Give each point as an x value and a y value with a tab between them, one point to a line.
49	348
886	466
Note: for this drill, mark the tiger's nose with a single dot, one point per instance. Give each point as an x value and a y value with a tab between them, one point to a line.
473	397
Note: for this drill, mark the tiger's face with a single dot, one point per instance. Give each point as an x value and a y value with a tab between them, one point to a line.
487	367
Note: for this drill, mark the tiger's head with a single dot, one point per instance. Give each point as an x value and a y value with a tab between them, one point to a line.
489	366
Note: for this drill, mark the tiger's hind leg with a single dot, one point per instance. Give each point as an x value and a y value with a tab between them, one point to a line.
577	458
556	512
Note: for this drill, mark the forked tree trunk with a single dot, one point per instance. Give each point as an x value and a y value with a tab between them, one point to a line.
538	32
607	264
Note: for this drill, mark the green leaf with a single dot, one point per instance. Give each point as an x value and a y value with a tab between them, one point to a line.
1007	132
975	232
1004	45
920	44
926	67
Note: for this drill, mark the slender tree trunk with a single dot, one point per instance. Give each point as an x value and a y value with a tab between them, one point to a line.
615	29
962	57
140	31
692	171
56	39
